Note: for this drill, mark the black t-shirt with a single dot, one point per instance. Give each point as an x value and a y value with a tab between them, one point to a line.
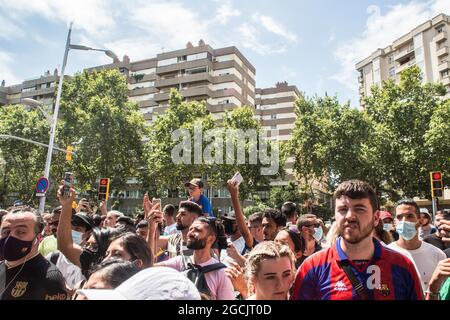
435	241
37	280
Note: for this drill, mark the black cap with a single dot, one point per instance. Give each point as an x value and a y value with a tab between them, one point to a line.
83	219
196	182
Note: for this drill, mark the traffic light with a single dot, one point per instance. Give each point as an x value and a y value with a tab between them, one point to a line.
69	151
103	189
436	184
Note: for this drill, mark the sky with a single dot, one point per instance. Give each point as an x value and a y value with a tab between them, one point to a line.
311	44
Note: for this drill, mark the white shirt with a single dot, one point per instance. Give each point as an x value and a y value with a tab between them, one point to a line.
71	273
425	259
239	244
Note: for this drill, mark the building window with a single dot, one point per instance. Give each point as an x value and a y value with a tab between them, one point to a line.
444	74
273	116
392	72
391	58
273	127
440	29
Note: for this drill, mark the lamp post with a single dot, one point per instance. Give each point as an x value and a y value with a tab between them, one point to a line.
56	109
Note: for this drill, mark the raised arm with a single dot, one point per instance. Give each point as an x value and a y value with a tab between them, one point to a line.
233	188
69	249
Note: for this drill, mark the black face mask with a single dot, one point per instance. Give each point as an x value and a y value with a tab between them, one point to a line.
88	258
13	249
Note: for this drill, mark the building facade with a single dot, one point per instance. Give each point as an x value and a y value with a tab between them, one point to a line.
426	46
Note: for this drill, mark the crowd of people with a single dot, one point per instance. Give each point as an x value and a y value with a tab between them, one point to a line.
183	252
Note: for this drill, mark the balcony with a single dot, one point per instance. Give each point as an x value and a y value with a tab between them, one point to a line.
442	52
184	65
38	92
160	82
441	36
446	81
360	79
404	53
444	66
404	66
186	93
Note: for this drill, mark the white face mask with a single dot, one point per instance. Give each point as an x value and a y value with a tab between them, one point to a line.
387	226
318	234
407	230
77	237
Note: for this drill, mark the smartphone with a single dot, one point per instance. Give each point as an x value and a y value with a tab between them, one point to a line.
155	201
68	183
238	178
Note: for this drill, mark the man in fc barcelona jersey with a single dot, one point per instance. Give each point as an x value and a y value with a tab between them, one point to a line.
357	267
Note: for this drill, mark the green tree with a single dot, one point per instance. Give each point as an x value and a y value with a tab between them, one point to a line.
96	109
407	137
22	162
326	142
280	194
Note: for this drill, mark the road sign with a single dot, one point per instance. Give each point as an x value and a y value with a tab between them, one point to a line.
40	194
42	185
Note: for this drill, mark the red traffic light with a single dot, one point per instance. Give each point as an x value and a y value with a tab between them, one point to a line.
103	182
437	176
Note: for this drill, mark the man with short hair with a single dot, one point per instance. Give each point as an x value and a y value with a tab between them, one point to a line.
311	231
357	266
425	256
441	238
425	228
289	209
142	229
171	224
254	224
201	237
176	244
273	221
27	274
195	189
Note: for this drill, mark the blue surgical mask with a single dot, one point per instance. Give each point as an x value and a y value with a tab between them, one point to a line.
77	237
318	234
387	226
407	230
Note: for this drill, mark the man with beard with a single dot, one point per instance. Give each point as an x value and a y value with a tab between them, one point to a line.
201	237
357	266
175	244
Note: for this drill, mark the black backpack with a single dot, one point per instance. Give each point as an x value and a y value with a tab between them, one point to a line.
196	274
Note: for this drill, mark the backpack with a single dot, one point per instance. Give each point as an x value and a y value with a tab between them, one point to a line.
196	274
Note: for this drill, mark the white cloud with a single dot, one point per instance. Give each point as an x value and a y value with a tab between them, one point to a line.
250	40
6	71
10	30
93	16
169	24
135	48
225	12
381	30
275	27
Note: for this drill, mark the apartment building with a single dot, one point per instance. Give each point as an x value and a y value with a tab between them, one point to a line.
275	110
41	88
223	78
426	46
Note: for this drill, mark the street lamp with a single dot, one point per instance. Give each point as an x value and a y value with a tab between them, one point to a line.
58	98
36	104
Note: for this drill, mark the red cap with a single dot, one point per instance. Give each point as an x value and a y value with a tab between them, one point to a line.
385	215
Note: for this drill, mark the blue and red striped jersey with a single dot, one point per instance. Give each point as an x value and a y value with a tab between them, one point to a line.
387	276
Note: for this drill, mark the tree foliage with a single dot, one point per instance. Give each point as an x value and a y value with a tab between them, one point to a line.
393	143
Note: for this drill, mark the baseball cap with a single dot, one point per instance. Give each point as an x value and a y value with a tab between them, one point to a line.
229	215
196	182
385	215
83	219
425	210
156	283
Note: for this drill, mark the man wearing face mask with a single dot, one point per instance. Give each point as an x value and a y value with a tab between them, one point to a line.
25	274
425	256
312	232
82	226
